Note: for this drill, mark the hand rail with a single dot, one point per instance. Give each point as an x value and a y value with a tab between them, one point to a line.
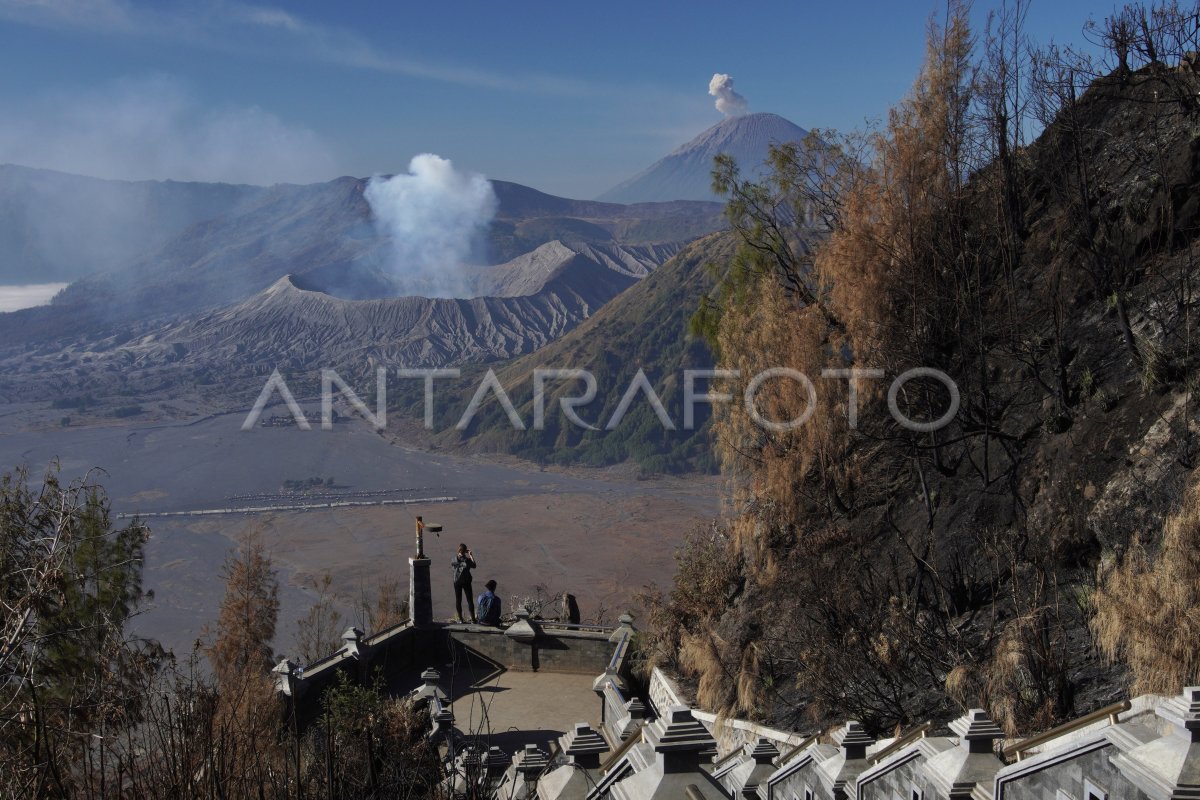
1111	712
576	626
618	652
721	761
902	741
783	759
624	748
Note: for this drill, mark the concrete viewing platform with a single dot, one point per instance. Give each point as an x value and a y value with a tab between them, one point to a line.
512	709
547	709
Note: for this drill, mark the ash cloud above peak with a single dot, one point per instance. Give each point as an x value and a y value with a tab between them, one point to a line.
728	102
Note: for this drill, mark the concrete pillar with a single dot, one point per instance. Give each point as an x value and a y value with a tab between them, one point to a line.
960	772
1169	766
420	593
524	630
352	641
583	746
429	689
530	762
285	677
624	627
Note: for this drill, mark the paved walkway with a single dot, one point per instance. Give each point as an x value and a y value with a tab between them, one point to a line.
512	709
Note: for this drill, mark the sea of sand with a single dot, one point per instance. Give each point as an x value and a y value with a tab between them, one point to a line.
600	534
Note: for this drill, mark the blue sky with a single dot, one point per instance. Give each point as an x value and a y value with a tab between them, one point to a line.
569	97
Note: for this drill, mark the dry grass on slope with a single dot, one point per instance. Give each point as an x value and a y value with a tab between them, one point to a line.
1148	606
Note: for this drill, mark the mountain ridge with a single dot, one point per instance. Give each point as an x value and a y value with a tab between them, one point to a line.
208	262
295	325
645	327
685	172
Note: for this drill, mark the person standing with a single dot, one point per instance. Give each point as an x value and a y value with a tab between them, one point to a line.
488	605
464	562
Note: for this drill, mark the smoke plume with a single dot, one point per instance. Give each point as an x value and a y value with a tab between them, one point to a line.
729	102
434	216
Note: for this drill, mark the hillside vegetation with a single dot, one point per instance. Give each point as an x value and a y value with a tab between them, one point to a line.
645	327
1013	559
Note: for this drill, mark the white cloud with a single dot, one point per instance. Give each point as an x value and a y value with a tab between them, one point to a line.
105	15
232	26
153	128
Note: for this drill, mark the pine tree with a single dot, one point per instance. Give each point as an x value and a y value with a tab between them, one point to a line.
242	642
72	582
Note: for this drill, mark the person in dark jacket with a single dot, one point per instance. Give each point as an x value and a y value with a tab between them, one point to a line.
463	563
488	605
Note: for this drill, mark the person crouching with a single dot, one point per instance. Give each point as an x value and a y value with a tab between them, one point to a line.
489	605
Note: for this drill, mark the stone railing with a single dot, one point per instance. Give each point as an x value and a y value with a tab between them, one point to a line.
395	650
541	645
731	734
404	650
400	653
665	692
621	713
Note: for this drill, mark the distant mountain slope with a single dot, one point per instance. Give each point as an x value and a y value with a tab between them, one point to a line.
527	218
297	277
59	227
527	274
294	326
685	173
323	234
298	328
287	229
645	327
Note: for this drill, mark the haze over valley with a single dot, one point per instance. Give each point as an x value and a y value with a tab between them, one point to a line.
179	299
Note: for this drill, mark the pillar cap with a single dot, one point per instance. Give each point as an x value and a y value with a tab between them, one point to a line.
679	731
583	740
853	734
764	751
976	725
524	630
530	759
496	758
285	667
1183	710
